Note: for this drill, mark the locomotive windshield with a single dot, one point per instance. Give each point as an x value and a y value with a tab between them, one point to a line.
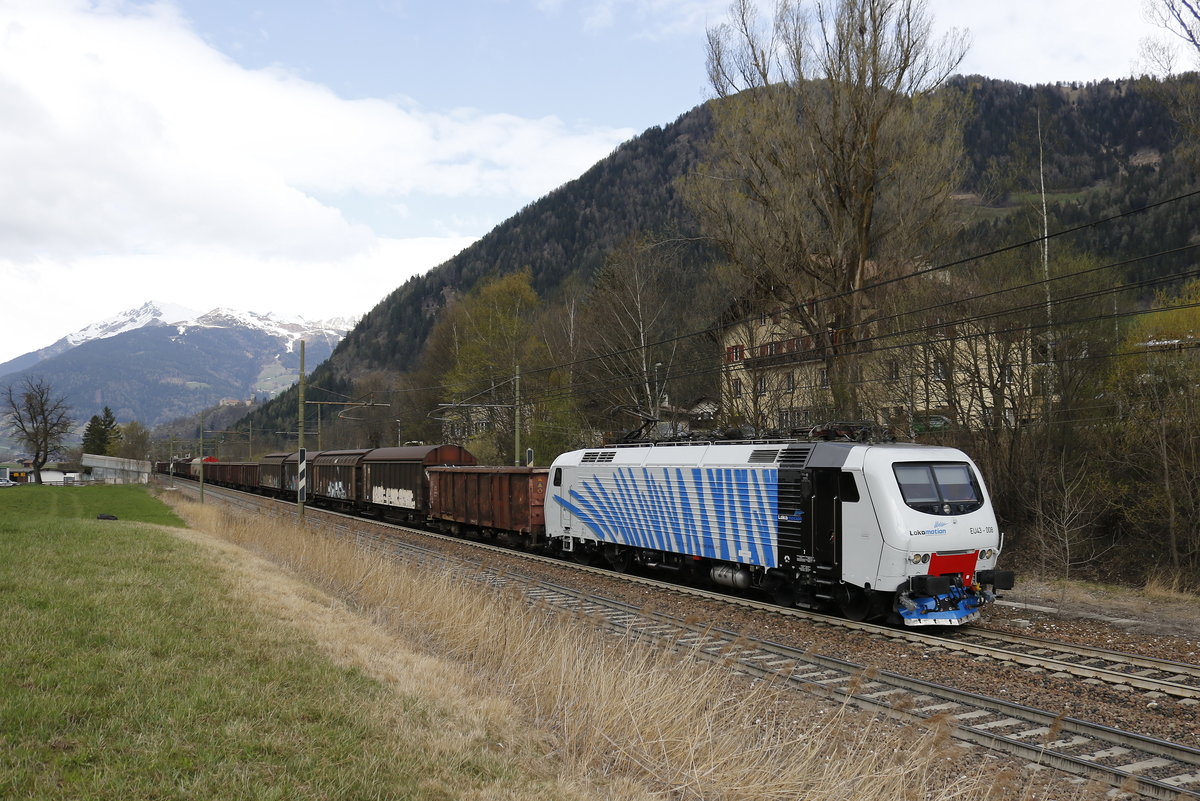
938	488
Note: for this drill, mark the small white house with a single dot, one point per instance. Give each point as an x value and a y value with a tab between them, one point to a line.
52	476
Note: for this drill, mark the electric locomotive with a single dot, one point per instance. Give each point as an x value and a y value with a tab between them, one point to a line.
896	531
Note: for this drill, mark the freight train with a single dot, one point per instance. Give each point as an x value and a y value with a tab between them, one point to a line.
900	532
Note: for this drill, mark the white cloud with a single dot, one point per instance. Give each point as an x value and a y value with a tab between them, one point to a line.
131	151
126	131
1041	42
66	295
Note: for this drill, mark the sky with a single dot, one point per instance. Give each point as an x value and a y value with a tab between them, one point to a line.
306	157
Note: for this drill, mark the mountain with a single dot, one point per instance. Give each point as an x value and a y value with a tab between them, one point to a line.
1108	147
159	362
562	238
150	313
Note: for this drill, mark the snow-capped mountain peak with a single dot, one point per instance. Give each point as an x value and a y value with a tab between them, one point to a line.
288	328
150	313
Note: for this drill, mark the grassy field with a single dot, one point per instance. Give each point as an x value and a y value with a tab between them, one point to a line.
136	665
128	502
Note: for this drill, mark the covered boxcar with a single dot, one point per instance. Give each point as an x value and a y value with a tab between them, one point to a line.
243	475
270	473
395	481
335	477
496	501
290	476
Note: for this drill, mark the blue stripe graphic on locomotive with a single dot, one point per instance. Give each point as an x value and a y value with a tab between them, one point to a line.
717	512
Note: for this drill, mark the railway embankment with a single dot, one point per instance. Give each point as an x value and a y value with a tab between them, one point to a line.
576	700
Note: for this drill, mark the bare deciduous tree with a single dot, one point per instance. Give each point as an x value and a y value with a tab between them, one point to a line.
39	419
833	156
134	442
1067	501
628	312
1180	19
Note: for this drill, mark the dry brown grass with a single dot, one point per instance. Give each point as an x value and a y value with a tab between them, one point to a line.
1165	602
1172	587
632	720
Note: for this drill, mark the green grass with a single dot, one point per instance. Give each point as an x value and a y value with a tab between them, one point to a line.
129	668
127	501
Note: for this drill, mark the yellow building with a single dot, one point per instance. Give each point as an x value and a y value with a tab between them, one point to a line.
932	376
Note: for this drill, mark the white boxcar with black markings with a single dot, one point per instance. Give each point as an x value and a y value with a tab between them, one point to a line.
905	532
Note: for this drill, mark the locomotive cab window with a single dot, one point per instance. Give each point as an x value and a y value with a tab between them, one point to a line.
849	488
558	476
938	488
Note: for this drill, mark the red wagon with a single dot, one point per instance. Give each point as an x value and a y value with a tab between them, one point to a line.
491	500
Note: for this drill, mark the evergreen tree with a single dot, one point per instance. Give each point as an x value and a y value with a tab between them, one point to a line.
94	440
102	435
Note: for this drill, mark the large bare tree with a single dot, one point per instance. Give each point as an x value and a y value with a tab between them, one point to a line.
1180	19
833	159
629	311
39	419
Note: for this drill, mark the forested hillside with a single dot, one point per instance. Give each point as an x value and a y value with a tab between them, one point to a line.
561	237
1105	148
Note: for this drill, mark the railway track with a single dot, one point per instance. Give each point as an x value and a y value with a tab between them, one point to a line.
1178	679
1153	768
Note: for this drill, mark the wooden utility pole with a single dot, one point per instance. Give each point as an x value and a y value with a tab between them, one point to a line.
301	477
517	422
202	457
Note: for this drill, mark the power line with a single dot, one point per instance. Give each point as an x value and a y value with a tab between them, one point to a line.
699	367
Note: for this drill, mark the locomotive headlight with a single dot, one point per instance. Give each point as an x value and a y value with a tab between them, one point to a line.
915	558
925	558
989	553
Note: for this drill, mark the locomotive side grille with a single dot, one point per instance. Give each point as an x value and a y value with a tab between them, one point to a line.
795	455
763	456
598	457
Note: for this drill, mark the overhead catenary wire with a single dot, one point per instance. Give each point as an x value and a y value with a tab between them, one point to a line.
697	368
705	366
709	331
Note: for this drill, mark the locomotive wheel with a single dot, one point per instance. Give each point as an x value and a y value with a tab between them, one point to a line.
853	603
618	558
781	592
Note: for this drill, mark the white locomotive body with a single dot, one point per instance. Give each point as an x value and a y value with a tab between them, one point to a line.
892	530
